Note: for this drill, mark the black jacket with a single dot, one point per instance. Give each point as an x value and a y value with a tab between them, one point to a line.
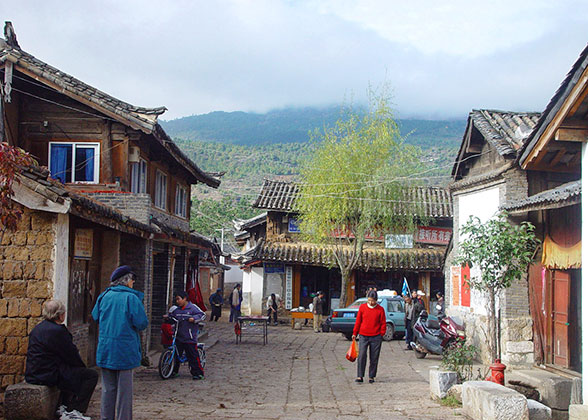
52	357
417	307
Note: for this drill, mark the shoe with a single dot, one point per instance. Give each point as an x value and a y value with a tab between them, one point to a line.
316	331
371	381
359	380
198	377
61	410
73	415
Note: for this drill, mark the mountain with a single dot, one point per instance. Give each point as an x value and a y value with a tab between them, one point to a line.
250	147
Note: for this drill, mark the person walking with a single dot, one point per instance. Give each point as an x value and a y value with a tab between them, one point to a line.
318	307
408	321
216	304
236	299
370	326
120	315
54	360
272	308
418	305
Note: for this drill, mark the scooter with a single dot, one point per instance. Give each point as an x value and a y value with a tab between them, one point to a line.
434	336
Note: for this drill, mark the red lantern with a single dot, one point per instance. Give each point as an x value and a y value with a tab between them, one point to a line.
497	372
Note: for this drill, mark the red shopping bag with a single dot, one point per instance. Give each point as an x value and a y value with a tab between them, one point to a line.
352	352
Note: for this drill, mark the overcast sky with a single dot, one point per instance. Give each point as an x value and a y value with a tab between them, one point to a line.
442	58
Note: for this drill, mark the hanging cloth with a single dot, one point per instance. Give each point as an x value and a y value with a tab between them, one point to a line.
558	257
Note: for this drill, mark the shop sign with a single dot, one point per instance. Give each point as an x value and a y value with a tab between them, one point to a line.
270	268
83	243
293	226
288	294
433	235
398	241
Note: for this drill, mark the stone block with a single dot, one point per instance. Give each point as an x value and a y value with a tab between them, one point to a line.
8	380
29	270
24	401
519	346
41	221
32	323
41	253
440	381
578	412
13	305
24	308
36	308
13	327
19	238
555	391
576	397
538	411
3	307
39	289
17	289
455	392
23	345
11	345
6	238
484	400
17	253
11	364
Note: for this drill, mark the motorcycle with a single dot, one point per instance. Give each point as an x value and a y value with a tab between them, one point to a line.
434	336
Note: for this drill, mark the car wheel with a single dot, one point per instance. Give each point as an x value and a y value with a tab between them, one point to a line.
419	354
347	336
389	334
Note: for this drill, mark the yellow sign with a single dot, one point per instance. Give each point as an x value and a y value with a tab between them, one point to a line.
83	244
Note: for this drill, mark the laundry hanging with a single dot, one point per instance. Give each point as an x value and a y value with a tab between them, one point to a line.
559	257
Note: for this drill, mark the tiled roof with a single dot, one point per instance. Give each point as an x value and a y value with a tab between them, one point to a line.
372	258
505	130
556	103
249	223
437	202
565	195
276	195
139	118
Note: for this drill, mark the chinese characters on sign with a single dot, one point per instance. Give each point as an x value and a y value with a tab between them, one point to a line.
433	235
288	297
293	225
271	268
83	244
398	241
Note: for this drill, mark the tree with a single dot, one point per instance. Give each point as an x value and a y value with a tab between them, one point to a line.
353	186
503	252
11	159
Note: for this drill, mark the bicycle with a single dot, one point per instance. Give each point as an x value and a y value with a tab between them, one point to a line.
169	357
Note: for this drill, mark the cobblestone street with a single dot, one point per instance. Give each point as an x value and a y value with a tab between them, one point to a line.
297	375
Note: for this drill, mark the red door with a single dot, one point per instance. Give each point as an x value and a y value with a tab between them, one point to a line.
560	314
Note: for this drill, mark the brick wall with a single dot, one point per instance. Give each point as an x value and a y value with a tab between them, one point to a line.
135	206
26	271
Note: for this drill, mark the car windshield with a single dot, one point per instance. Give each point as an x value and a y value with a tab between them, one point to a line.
355	305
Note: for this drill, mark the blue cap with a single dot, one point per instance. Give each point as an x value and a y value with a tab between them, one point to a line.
123	270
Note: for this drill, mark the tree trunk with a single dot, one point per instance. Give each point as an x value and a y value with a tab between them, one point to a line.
492	327
345	276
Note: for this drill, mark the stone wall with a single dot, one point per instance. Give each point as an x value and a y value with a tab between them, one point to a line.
26	271
135	206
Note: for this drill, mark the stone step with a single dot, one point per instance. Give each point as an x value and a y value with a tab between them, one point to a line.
555	391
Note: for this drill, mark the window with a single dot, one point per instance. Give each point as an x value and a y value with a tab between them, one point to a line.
181	196
395	306
139	177
160	190
74	162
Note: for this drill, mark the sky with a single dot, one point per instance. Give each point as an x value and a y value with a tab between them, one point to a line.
440	58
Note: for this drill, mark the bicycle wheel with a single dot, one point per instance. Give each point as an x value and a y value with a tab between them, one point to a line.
202	356
167	363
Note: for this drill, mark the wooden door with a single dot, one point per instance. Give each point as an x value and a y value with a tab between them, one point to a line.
560	318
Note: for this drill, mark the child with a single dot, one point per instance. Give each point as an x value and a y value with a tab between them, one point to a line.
188	315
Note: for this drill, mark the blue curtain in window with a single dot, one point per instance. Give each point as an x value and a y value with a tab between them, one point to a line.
61	162
84	164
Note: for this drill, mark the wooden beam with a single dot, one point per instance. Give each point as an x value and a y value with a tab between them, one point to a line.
558	157
571	134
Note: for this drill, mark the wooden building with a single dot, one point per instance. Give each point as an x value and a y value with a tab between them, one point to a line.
276	260
128	183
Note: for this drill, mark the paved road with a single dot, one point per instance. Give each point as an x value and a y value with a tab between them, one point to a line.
297	375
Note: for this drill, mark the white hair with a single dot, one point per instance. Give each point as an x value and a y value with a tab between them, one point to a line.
53	309
124	280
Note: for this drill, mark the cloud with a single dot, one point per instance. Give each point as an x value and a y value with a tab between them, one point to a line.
199	56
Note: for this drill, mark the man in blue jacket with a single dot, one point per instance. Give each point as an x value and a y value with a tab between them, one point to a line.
120	314
188	316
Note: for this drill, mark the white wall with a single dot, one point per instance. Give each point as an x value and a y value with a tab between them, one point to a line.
252	291
61	259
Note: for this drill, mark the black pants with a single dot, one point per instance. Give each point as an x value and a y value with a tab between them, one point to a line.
374	344
275	315
80	399
191	351
215	313
409	334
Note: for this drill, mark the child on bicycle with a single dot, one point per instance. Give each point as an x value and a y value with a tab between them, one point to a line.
188	315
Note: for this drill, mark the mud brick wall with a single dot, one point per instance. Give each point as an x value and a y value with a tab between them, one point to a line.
26	271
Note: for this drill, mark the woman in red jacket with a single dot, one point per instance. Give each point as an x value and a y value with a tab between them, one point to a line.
370	325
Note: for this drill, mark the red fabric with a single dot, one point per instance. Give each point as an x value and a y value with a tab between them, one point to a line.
370	321
194	293
167	334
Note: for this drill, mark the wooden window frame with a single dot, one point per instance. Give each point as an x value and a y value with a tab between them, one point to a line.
160	199
181	206
141	187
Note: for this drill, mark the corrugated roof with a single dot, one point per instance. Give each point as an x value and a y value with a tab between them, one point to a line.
437	202
565	195
372	258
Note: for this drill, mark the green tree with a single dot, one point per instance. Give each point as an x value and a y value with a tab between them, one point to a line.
503	252
353	186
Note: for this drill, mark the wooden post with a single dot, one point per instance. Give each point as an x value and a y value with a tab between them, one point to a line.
106	161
